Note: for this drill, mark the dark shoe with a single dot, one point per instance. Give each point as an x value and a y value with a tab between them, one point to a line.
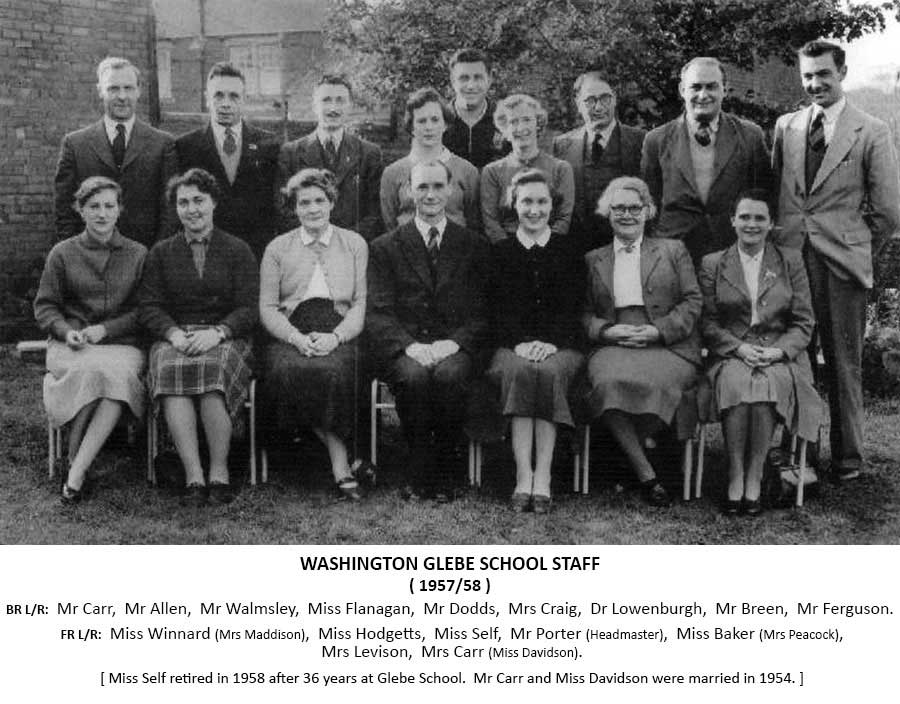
655	494
540	504
220	493
520	502
410	493
752	508
365	472
348	488
731	508
194	496
70	496
443	496
846	474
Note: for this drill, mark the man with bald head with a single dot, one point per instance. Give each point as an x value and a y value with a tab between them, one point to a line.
599	151
697	164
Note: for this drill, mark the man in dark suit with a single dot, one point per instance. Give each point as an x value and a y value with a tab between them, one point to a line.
138	157
426	323
242	158
696	164
599	151
355	163
839	200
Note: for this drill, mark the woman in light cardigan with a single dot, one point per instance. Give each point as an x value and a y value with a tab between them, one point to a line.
312	302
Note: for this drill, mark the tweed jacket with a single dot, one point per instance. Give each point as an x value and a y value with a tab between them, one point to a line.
150	162
246	208
406	305
854	203
672	298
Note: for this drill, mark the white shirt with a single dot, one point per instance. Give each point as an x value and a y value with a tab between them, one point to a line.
423	228
751	265
605	133
693	125
110	125
627	289
832	113
324	136
219	135
527	241
318	286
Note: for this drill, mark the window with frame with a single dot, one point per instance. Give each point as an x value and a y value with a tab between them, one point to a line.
260	62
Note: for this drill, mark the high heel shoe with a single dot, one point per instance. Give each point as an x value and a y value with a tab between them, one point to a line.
731	507
70	496
348	488
752	508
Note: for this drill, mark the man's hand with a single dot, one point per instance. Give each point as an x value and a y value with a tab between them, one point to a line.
75	339
441	349
94	333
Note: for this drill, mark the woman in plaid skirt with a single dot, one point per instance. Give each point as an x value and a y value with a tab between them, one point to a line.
199	301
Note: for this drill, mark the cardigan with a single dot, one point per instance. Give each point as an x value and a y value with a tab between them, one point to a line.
536	294
173	294
287	269
86	282
500	220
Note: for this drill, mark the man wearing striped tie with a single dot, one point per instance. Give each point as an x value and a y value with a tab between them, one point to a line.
839	200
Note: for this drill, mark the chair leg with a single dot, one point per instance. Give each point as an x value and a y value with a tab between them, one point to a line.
686	467
152	437
373	424
51	450
252	401
265	465
701	453
471	463
802	473
586	466
479	457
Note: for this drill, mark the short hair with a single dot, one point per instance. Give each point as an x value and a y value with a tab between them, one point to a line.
626	183
596	75
113	62
819	47
93	185
469	55
420	99
335	79
226	69
760	194
523	178
322	179
511	102
204	181
709	60
432	163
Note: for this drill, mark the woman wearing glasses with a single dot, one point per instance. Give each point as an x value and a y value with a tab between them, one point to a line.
643	304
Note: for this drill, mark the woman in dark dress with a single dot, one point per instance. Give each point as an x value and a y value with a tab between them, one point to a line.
537	281
199	301
313	302
757	323
642	312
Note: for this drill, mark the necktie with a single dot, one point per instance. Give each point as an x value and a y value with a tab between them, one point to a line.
118	146
229	146
703	135
815	149
331	153
433	249
596	148
817	133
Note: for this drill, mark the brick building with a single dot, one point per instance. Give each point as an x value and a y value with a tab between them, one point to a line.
49	50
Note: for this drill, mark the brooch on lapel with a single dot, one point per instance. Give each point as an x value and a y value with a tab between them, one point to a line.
252	147
769	275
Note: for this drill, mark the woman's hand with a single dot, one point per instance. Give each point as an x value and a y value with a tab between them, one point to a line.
94	333
535	351
751	355
322	343
301	342
770	355
179	340
75	339
200	341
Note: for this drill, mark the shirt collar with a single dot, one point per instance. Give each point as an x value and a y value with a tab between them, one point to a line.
527	241
111	124
324	136
116	241
832	112
308	239
190	239
620	245
750	258
423	228
693	124
219	133
605	133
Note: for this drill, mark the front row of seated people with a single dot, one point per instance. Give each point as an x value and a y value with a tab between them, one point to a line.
435	300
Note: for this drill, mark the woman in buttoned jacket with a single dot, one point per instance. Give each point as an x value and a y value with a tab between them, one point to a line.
757	323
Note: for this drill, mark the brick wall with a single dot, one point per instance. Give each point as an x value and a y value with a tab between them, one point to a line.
49	50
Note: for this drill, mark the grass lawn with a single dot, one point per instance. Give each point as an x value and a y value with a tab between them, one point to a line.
298	504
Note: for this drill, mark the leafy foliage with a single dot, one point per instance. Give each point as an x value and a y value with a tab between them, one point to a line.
393	47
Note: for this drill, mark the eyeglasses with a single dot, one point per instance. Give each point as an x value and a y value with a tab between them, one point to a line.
630	209
593	100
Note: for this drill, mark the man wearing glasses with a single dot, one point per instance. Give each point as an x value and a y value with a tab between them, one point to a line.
599	151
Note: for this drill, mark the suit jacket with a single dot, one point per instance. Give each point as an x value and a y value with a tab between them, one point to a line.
246	209
854	202
741	161
571	147
358	175
405	305
149	163
672	297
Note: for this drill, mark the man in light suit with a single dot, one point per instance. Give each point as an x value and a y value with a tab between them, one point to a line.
839	199
356	163
138	157
599	151
242	158
426	322
696	164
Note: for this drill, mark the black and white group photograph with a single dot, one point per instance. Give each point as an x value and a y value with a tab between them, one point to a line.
456	272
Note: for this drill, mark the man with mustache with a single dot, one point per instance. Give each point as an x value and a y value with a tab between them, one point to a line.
599	151
138	157
242	158
697	164
426	324
839	200
355	162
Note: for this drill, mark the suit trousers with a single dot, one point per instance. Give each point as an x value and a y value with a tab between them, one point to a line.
840	307
431	403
